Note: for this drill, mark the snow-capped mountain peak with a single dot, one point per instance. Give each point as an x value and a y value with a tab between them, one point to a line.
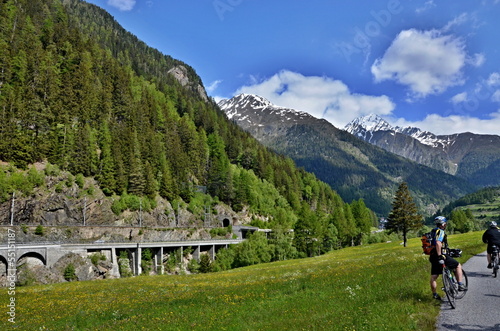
237	107
364	127
370	122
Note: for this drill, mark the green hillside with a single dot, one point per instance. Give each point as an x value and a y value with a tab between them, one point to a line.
478	208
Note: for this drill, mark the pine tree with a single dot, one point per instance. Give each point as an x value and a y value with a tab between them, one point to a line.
403	216
362	217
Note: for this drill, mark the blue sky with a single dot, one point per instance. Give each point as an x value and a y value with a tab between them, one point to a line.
426	63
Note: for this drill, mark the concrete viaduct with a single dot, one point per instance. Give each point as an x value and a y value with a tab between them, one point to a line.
48	254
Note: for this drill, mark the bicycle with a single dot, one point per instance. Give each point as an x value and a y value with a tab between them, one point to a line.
450	283
495	257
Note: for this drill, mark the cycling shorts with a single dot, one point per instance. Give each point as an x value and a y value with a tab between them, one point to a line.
489	250
437	268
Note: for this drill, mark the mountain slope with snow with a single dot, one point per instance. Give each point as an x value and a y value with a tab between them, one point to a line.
351	166
472	156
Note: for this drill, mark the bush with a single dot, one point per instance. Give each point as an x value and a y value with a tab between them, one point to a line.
193	266
52	170
40	231
80	180
59	188
70	180
132	203
219	232
69	272
124	265
205	263
96	257
224	260
36	178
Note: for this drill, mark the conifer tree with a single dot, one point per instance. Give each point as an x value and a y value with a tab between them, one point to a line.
106	174
403	216
362	216
136	180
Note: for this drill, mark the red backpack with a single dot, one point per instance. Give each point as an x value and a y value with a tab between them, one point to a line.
427	245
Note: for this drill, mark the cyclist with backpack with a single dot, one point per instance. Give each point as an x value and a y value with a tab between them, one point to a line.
491	237
438	257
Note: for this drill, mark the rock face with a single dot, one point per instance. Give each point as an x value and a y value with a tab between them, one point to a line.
60	201
181	75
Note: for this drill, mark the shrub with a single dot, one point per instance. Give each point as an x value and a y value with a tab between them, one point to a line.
193	266
147	254
132	203
96	257
218	232
186	251
52	170
69	272
80	180
124	265
70	180
224	260
40	231
205	263
36	178
59	188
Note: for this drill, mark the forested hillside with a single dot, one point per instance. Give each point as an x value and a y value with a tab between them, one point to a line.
474	211
79	92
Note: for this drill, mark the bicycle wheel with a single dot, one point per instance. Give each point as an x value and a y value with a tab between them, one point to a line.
495	265
465	281
449	288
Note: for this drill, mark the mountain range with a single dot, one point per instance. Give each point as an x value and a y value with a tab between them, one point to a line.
350	165
474	157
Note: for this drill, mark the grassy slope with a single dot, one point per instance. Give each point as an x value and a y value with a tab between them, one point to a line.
372	287
487	211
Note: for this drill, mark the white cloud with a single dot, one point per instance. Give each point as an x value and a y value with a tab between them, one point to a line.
213	86
488	89
477	60
322	97
438	124
123	5
427	5
428	62
459	20
493	79
461	97
496	96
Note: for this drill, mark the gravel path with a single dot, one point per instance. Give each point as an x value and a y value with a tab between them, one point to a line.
480	308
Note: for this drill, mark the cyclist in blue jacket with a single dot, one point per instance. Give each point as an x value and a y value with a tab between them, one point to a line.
438	257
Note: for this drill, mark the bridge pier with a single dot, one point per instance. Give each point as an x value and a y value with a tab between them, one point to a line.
136	261
158	262
196	253
115	269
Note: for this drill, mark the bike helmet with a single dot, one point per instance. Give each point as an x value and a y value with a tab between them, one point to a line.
493	224
440	220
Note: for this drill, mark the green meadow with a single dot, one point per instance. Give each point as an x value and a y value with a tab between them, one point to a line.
371	287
